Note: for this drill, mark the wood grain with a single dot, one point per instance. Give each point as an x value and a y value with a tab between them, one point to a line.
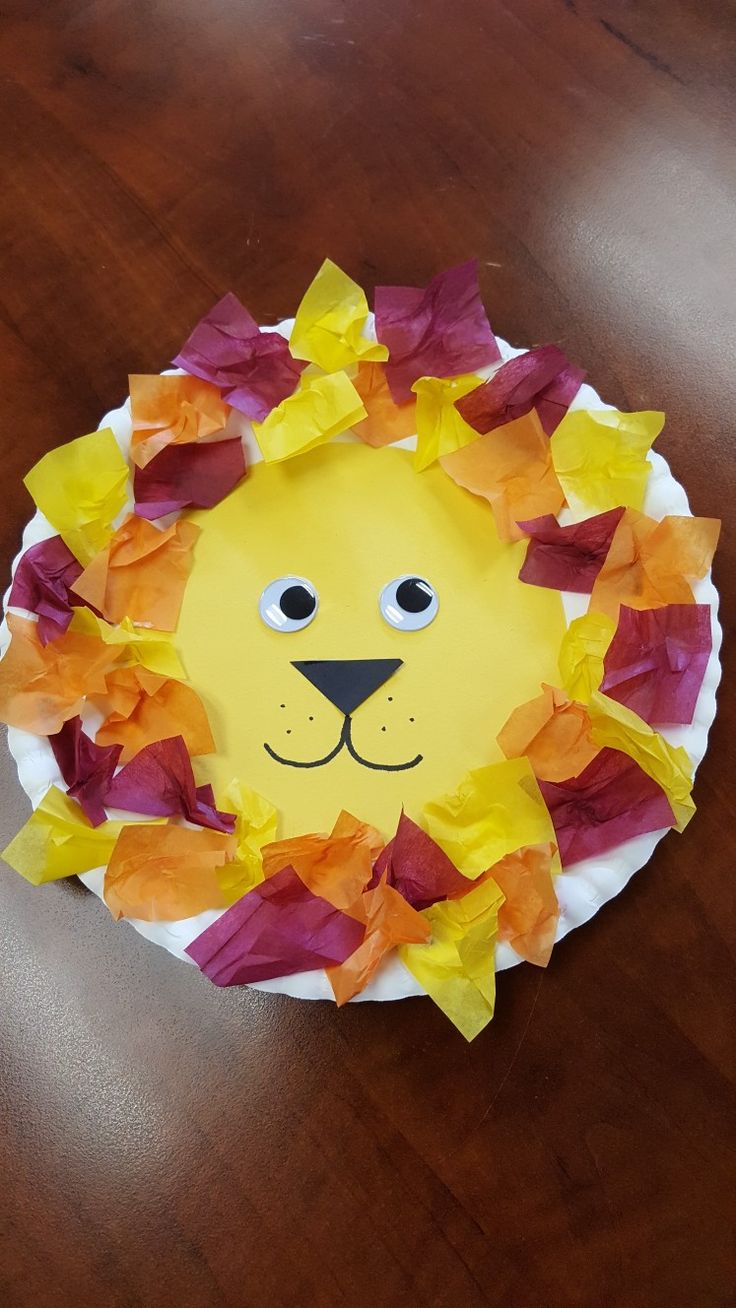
163	1143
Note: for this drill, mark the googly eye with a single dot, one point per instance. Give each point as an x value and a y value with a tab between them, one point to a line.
408	603
288	604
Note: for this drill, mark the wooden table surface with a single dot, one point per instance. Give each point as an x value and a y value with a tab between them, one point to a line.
165	1143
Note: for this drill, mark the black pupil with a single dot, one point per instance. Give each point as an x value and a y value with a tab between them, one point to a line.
297	602
414	595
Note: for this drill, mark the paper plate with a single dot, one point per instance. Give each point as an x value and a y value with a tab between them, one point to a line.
582	888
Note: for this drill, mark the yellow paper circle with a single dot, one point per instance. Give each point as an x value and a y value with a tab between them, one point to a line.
350	519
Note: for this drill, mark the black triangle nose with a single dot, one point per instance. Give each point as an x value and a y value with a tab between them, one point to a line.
346	683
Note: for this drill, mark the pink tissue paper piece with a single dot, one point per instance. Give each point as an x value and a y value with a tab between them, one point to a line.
441	331
656	661
610	801
159	782
42	582
417	868
188	476
567	558
542	379
278	928
87	768
254	370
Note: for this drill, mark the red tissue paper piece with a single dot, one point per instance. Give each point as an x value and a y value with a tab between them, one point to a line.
567	558
612	800
656	661
440	331
418	868
254	370
43	579
160	783
542	379
278	928
87	768
188	476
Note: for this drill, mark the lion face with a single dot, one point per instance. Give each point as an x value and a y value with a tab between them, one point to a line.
348	710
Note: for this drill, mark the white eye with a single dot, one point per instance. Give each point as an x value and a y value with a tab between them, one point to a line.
288	604
409	603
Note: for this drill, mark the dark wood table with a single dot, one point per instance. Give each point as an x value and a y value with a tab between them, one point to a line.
165	1143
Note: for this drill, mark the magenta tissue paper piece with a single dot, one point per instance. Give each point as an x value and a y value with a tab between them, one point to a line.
417	868
567	558
254	370
611	800
87	768
159	782
541	379
278	928
440	331
656	661
197	475
43	579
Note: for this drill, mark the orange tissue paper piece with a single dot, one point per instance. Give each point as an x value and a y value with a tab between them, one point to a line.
165	873
528	917
387	421
337	867
650	564
141	574
554	734
511	467
172	411
390	921
141	707
42	686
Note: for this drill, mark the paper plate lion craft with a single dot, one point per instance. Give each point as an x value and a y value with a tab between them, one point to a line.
364	656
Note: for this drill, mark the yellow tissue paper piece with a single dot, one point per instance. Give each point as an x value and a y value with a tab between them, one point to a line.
329	322
58	841
138	645
617	727
81	487
321	408
255	826
494	811
582	651
600	457
457	967
440	428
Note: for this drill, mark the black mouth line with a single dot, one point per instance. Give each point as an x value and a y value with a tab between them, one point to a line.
345	742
